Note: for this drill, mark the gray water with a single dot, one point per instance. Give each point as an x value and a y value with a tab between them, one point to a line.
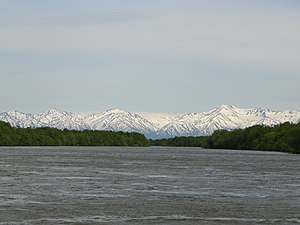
67	185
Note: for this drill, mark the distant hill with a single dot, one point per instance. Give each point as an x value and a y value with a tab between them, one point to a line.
154	125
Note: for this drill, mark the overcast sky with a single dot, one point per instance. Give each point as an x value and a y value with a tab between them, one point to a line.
149	55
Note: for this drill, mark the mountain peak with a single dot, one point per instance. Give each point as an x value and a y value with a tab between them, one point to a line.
55	110
116	110
227	107
226	117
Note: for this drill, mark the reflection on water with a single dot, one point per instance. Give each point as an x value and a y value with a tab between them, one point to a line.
147	186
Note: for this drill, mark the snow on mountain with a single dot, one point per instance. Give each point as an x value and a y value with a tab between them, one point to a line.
18	119
225	117
159	119
61	120
286	115
194	124
155	125
178	127
120	120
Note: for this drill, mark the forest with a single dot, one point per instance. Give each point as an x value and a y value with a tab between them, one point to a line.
179	141
283	137
11	136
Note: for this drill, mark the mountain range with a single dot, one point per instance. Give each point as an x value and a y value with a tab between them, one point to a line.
154	125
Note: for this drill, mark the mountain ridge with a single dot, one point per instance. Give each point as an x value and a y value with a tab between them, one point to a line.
160	125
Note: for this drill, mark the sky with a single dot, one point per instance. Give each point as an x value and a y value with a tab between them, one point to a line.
151	56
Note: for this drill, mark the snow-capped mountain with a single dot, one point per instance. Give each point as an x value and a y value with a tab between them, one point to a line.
196	124
18	119
53	118
155	125
159	119
120	120
228	117
61	119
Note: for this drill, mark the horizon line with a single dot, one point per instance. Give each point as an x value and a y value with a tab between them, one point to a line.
137	112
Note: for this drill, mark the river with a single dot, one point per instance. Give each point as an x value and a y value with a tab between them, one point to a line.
110	185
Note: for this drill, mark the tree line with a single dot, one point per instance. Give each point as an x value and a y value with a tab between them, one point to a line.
179	141
284	137
45	136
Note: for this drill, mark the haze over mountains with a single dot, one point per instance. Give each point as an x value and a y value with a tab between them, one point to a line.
154	125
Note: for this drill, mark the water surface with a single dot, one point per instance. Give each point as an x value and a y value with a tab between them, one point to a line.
92	185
